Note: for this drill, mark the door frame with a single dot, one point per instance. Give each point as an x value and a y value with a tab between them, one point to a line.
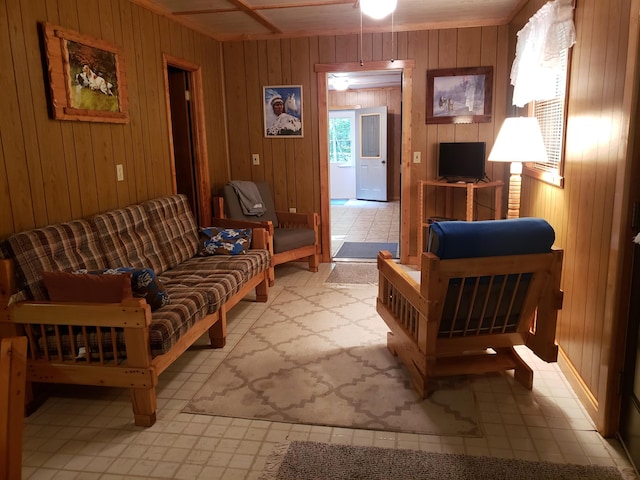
322	70
203	188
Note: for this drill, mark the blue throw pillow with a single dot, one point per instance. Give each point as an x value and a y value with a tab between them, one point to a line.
225	241
144	284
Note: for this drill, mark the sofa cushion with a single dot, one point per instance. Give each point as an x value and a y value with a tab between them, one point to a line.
172	321
73	287
490	238
253	263
127	238
286	239
225	241
63	247
217	286
174	228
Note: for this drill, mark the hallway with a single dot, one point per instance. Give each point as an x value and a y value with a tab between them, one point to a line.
364	221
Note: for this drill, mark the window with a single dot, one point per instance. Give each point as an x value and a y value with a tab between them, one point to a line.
551	117
342	130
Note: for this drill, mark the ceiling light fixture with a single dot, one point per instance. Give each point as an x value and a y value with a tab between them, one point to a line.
339	83
378	9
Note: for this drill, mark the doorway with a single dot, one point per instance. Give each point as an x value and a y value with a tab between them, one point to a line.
403	145
363	219
189	166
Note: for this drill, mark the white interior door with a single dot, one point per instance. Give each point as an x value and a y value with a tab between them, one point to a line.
371	153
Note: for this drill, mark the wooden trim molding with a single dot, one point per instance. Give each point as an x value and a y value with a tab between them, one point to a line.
321	70
199	133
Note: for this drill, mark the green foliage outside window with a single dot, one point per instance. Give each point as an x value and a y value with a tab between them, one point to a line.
340	145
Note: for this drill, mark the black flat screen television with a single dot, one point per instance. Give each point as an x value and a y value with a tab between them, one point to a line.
461	161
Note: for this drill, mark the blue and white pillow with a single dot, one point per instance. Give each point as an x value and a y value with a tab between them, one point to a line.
225	241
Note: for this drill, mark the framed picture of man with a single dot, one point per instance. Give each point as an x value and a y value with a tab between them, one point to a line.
282	106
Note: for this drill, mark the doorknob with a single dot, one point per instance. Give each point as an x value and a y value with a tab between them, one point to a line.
384	161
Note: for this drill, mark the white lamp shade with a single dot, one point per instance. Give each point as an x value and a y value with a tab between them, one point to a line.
519	140
377	8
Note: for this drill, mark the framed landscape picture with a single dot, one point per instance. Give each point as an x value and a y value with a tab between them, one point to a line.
282	105
459	95
86	77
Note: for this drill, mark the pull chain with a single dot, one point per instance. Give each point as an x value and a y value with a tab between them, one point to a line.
392	60
361	59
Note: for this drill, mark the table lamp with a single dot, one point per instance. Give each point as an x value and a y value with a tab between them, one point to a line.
519	140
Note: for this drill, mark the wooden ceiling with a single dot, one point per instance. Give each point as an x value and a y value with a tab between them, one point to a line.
264	19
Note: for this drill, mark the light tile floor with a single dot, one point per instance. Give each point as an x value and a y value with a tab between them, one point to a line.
364	221
87	433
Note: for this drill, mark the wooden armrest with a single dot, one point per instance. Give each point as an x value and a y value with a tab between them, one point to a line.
218	206
132	313
400	279
229	223
310	220
260	239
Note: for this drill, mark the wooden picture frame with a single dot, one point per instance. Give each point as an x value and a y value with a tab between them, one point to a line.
282	106
459	95
86	77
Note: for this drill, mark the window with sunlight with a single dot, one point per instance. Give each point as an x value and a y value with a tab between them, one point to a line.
341	137
539	76
551	117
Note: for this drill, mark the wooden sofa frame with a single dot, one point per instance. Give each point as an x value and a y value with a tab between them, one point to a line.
286	220
414	313
139	371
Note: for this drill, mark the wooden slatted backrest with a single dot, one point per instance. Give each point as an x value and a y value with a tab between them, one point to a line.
13	369
486	297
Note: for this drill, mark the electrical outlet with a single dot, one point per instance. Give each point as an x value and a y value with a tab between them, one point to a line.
292	210
255	158
119	172
417	157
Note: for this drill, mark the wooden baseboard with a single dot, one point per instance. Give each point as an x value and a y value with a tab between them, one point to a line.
586	397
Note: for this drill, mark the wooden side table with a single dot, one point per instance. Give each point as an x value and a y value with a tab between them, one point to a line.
470	188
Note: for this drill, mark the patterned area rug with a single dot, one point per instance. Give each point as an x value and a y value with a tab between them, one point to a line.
318	356
322	461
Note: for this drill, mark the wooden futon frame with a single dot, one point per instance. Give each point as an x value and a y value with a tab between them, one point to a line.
465	315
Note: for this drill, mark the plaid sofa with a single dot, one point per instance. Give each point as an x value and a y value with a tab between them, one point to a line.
160	234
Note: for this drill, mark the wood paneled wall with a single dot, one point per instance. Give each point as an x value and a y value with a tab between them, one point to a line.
292	165
586	214
391	97
51	170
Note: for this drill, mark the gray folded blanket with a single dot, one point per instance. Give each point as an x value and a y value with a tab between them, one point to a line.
249	197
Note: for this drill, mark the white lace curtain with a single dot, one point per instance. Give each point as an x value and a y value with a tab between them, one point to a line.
538	49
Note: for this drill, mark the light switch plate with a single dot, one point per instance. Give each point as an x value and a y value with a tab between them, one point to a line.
255	158
119	172
417	157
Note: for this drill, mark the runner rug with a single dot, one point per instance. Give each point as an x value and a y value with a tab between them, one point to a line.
322	461
354	273
318	356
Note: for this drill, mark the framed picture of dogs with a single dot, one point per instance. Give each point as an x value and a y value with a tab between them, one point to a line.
459	95
86	77
282	106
